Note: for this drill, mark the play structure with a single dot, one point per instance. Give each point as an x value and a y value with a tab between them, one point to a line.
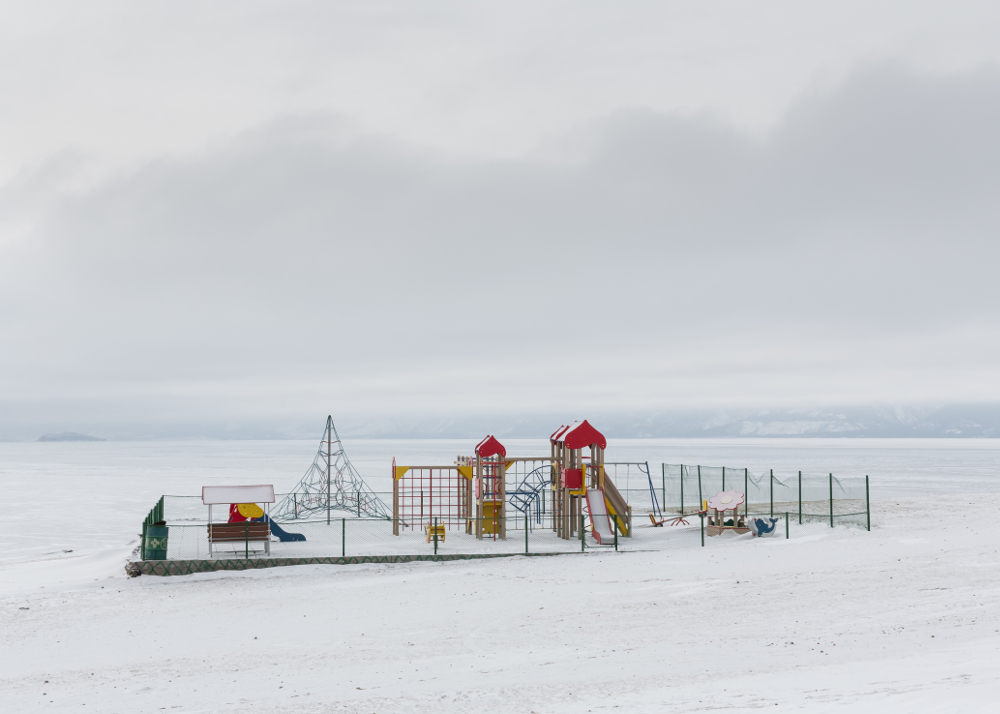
762	527
579	474
330	484
718	506
426	496
472	495
248	522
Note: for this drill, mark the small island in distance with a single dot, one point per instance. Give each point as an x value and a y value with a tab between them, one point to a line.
69	436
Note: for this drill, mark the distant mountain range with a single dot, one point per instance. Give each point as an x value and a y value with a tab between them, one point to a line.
949	422
956	421
68	436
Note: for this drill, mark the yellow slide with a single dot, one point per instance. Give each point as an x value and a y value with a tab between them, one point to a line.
617	507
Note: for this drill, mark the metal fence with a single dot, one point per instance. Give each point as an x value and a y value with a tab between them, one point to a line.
800	502
365	537
808	497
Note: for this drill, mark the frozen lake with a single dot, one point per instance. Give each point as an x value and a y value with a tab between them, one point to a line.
90	496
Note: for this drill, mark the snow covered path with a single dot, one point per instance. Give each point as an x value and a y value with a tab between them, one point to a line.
904	618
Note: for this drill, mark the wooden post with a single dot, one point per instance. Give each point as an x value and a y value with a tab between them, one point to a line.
395	500
501	496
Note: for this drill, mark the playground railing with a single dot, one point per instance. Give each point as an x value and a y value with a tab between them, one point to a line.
351	537
808	497
154	516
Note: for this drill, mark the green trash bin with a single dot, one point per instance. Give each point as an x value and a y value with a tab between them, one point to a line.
156	542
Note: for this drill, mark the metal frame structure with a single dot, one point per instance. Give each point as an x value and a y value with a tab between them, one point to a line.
424	496
331	484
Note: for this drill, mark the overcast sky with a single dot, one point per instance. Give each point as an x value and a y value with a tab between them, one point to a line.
272	211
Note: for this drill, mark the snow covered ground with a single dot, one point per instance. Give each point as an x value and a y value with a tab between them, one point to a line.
903	619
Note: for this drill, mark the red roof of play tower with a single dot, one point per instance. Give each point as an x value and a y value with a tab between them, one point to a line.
580	435
490	447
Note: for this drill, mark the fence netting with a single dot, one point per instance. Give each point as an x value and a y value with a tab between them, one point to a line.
667	512
808	497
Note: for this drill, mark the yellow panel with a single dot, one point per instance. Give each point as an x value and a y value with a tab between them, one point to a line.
401	471
250	510
466	471
491	517
507	465
621	523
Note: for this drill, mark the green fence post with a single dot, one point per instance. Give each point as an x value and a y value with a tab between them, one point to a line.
295	505
583	534
772	493
701	498
343	537
526	531
786	525
831	500
359	504
616	532
435	535
682	490
246	542
663	488
746	494
868	507
143	549
800	498
701	515
723	478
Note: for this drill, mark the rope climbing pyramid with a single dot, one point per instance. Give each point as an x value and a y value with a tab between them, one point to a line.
330	484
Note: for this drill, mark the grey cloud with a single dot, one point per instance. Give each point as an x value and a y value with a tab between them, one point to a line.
304	252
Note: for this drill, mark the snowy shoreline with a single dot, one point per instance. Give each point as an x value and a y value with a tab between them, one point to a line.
903	618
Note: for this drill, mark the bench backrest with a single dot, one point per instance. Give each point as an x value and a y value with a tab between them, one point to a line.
227	532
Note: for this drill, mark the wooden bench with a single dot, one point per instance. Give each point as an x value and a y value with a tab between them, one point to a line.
240	533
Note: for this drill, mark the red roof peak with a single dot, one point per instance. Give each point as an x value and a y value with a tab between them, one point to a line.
582	434
490	447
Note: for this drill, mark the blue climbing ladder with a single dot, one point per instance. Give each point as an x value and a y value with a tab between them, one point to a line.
528	495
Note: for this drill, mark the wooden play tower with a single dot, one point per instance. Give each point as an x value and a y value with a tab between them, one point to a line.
491	489
576	472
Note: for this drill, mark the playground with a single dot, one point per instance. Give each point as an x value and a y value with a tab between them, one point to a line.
490	503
